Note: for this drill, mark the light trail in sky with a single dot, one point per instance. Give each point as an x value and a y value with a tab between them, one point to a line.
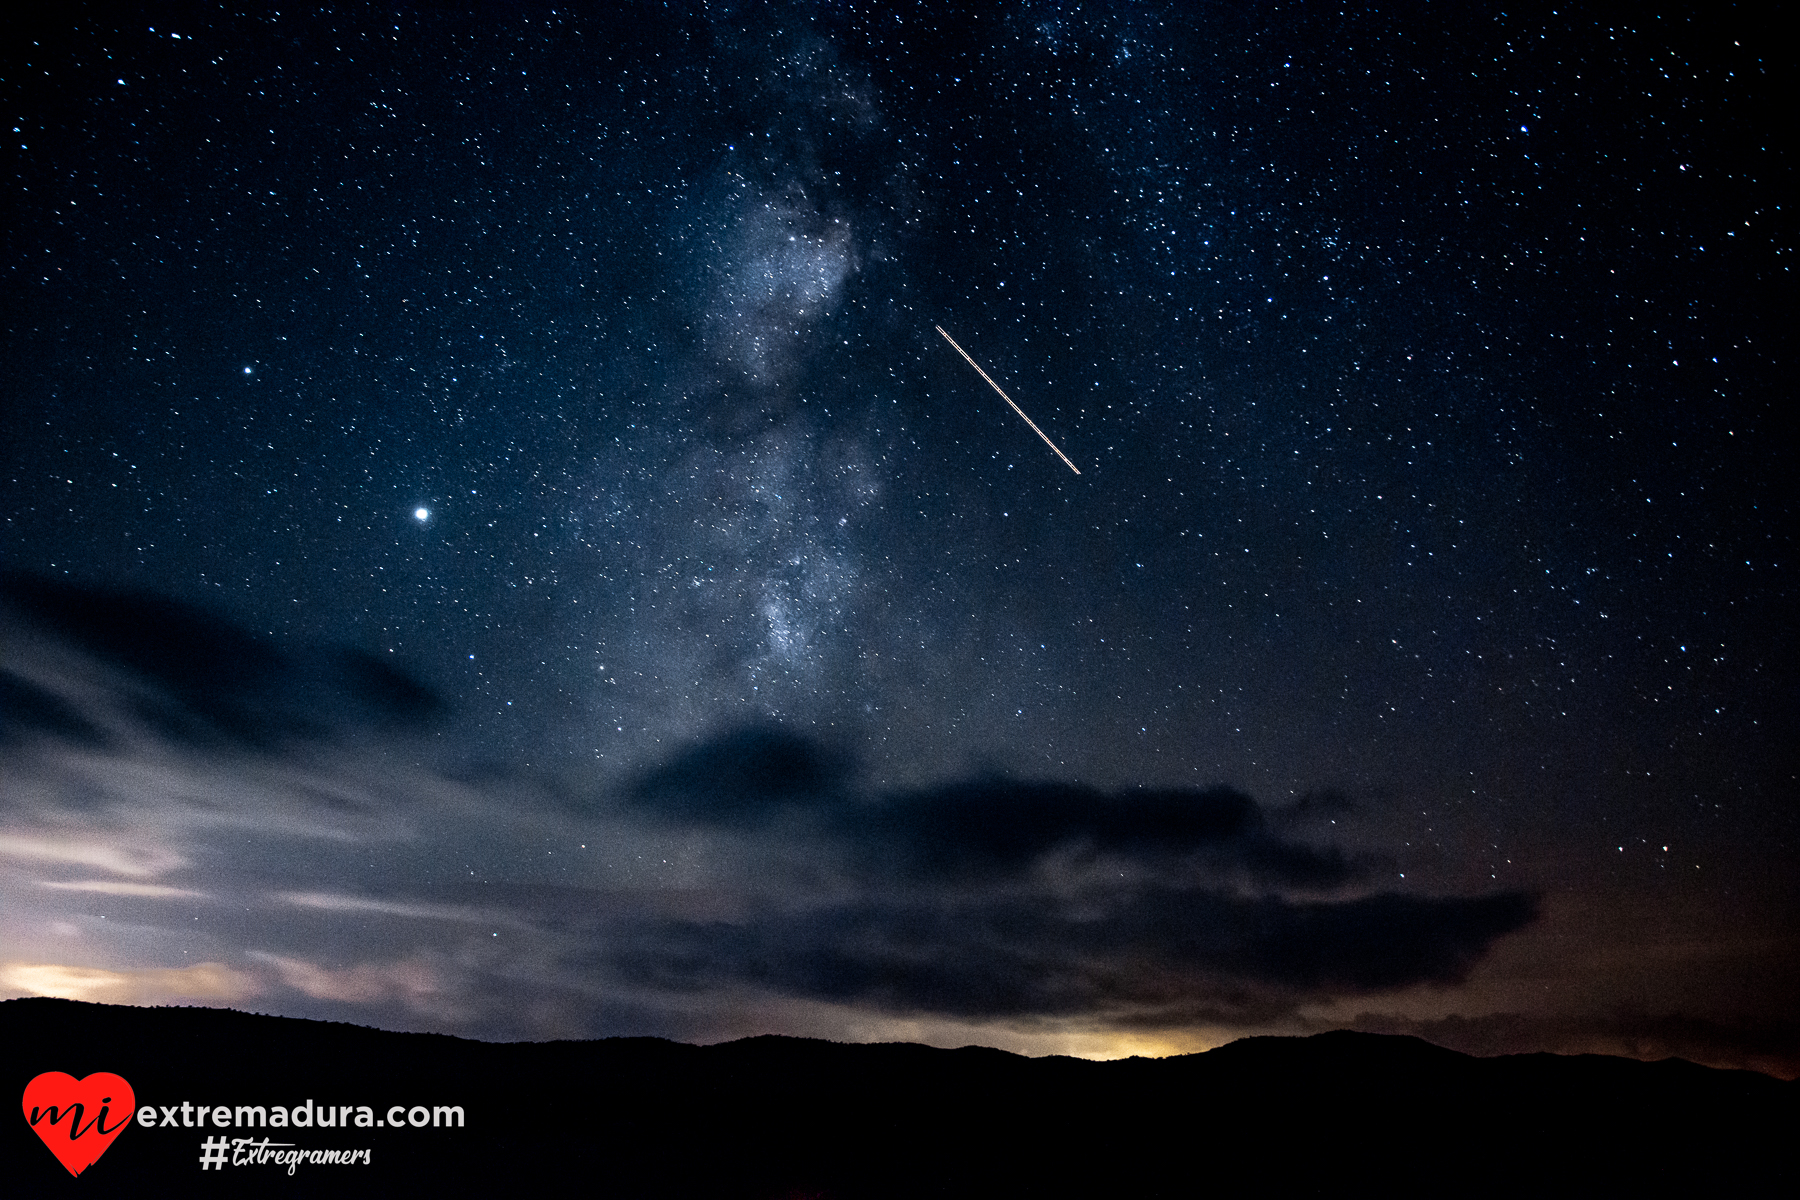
1008	399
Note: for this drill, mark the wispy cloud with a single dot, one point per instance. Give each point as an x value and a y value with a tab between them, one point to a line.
136	861
113	887
334	902
414	983
207	982
202	680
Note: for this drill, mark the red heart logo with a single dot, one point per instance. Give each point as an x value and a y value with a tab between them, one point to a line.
76	1117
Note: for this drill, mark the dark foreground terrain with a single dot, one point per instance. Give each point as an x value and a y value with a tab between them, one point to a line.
1340	1113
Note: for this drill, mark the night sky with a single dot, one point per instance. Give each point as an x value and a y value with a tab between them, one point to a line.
492	541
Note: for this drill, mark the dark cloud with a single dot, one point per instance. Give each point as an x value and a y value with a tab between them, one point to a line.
380	689
981	827
978	827
205	673
741	776
999	898
1157	949
24	706
200	678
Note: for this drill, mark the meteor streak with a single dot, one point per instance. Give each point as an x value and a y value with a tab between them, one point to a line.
1008	399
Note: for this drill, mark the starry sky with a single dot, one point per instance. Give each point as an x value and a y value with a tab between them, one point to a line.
491	540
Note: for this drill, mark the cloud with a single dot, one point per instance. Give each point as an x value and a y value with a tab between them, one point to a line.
740	777
417	984
980	827
1153	952
750	872
136	860
207	982
197	678
330	902
25	706
994	897
112	887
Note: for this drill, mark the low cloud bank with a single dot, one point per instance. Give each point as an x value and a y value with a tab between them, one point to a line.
180	790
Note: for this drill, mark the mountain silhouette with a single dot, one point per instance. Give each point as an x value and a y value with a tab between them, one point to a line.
783	1118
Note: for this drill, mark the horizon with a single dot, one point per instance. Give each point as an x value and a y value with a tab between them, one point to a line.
788	1037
